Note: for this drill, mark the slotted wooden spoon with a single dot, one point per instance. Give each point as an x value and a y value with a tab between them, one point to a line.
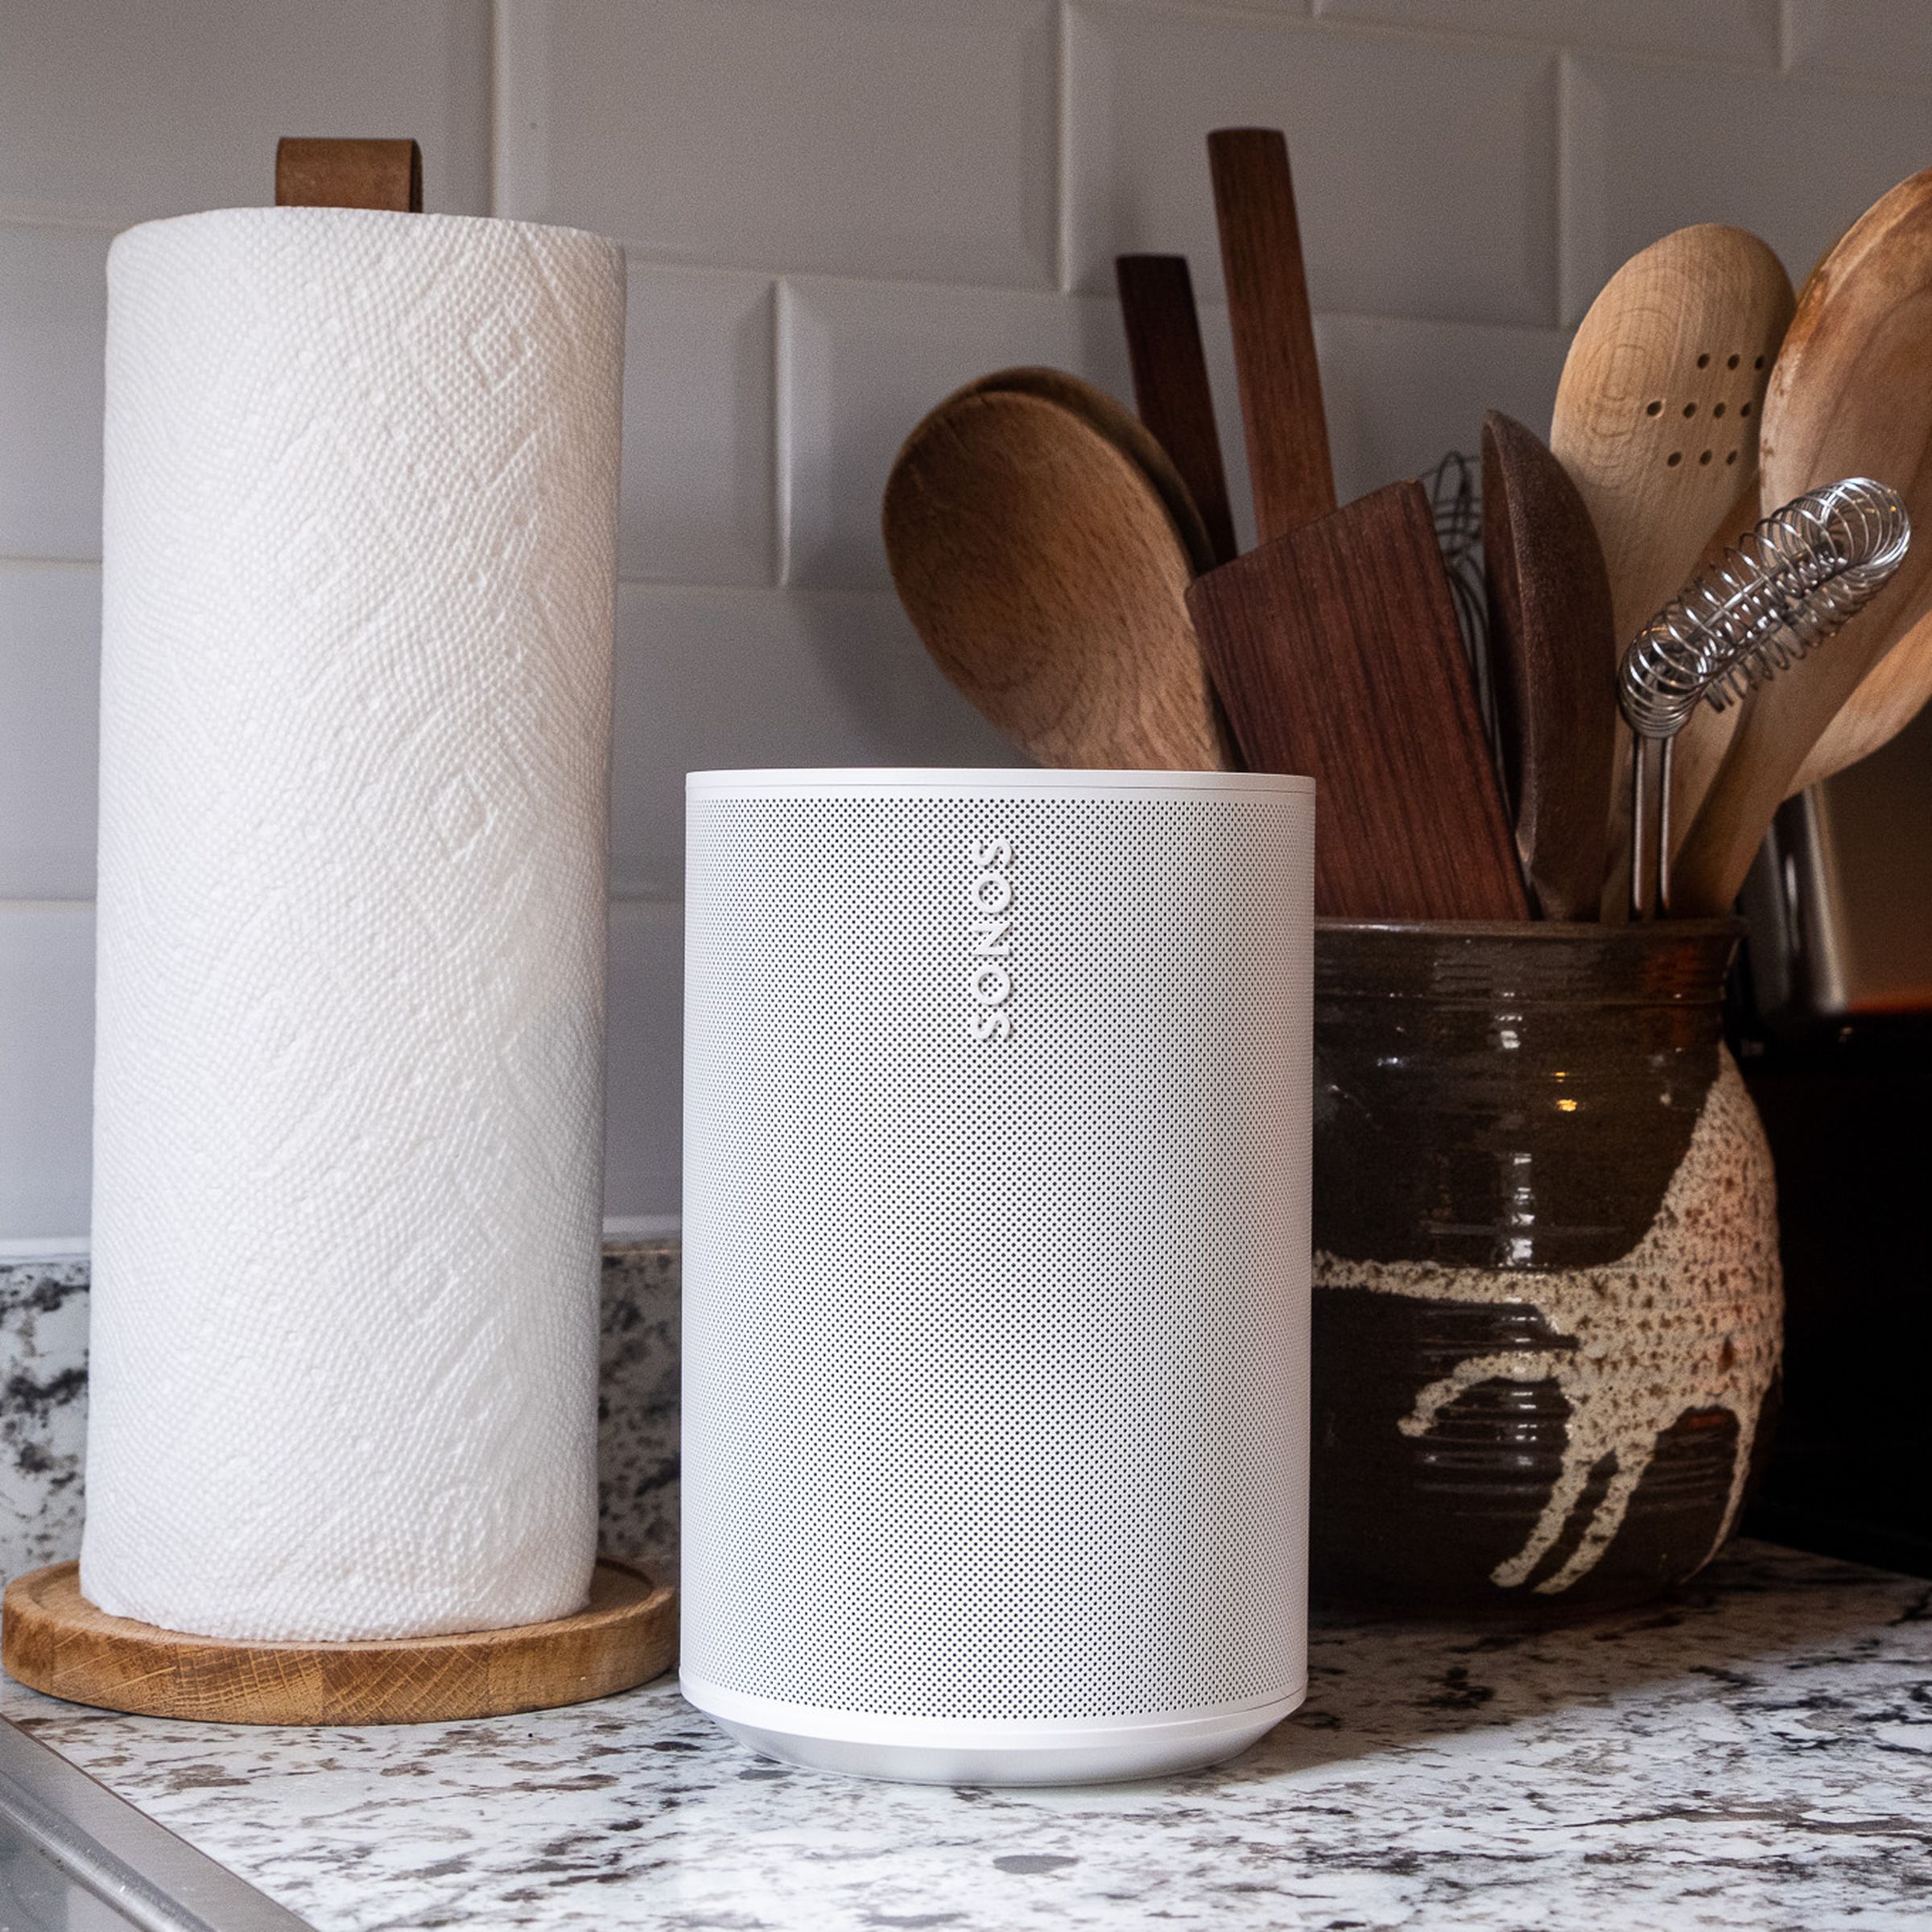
1852	396
1044	573
1657	422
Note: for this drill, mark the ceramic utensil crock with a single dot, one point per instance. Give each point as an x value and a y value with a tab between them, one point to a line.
1547	1302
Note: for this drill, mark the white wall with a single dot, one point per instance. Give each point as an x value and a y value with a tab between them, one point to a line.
836	210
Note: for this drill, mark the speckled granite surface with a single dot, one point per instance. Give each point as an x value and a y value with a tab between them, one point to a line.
1757	1754
637	1404
44	1407
43	1410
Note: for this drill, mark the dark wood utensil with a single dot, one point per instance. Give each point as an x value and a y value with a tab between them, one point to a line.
1335	653
1288	459
1171	385
348	173
1553	644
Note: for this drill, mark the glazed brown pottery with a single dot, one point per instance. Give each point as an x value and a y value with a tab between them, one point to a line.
1547	1302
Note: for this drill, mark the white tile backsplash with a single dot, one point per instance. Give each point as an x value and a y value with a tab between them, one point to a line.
1400	394
50	682
698	426
863	362
53	331
1649	148
643	1123
835	211
1744	32
1886	42
861	137
113	111
1424	169
47	1059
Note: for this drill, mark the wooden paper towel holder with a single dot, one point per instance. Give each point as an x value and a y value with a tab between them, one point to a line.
53	1640
311	173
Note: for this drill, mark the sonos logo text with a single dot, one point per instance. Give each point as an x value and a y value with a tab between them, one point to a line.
991	895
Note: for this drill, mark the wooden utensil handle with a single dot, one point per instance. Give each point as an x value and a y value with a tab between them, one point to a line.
1171	387
1267	309
316	173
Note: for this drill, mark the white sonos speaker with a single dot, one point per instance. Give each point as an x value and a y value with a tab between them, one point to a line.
996	1267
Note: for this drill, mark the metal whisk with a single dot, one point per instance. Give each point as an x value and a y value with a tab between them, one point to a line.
1792	582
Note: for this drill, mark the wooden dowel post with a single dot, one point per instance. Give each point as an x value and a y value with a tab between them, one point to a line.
316	173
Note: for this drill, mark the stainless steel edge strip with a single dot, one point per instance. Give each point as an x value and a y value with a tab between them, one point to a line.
156	1880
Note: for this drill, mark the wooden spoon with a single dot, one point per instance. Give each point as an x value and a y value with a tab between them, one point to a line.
1171	385
1124	431
1706	736
1656	411
1851	395
1657	422
1552	644
1042	571
1894	693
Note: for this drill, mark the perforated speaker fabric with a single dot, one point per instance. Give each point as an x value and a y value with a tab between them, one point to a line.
362	480
996	1347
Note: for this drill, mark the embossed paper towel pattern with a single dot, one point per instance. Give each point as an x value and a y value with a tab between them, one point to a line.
359	556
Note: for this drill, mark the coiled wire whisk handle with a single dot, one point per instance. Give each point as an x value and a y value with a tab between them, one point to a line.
1802	573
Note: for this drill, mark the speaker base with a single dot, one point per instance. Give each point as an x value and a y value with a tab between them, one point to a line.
984	1752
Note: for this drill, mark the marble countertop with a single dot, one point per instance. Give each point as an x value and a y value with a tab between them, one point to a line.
1756	1753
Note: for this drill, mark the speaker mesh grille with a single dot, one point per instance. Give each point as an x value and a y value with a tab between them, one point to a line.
995	1348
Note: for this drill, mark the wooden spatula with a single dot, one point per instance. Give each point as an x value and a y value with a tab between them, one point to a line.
1170	385
1288	460
1334	647
1043	573
1657	422
1851	395
1335	650
1552	646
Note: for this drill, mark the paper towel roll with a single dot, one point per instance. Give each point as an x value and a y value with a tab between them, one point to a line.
361	474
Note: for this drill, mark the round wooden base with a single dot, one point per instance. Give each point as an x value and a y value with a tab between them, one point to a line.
53	1639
